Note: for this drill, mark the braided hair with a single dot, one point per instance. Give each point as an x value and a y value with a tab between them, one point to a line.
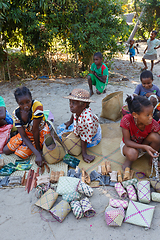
22	91
137	103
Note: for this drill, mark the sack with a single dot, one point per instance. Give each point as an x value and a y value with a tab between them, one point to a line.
67	185
143	190
155	196
47	200
71	197
139	214
114	216
120	190
77	209
60	211
5	134
131	193
112	105
52	150
72	143
87	208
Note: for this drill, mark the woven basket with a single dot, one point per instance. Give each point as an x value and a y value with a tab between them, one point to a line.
53	151
72	143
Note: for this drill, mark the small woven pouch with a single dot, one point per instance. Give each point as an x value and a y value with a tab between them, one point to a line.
155	196
77	209
139	214
132	181
71	196
47	199
118	203
87	208
120	190
72	143
143	190
85	189
131	193
60	211
155	184
114	216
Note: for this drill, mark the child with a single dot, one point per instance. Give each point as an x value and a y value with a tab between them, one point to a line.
150	51
83	122
140	131
132	51
99	75
5	124
5	117
147	88
31	126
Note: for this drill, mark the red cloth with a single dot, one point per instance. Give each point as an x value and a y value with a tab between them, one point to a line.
4	135
137	135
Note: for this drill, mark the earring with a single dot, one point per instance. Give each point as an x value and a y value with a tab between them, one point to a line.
135	120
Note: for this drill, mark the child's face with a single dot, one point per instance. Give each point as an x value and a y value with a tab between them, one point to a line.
147	82
152	35
25	102
131	42
97	60
145	116
76	106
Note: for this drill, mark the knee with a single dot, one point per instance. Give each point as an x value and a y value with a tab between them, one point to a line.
6	150
154	138
132	154
89	78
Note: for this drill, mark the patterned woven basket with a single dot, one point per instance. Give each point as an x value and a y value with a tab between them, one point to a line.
72	143
53	151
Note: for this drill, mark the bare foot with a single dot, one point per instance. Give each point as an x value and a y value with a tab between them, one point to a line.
127	163
91	93
143	69
98	92
88	158
157	62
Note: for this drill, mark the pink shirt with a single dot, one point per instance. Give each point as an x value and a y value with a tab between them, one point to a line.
136	134
86	126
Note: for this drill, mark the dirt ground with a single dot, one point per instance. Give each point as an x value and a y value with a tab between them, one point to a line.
17	220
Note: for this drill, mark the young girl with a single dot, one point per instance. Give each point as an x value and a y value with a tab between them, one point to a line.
140	131
83	122
150	51
30	122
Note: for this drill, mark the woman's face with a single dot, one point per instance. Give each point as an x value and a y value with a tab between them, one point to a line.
76	106
25	102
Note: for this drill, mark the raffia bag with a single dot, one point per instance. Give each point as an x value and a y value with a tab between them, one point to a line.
112	106
72	143
53	151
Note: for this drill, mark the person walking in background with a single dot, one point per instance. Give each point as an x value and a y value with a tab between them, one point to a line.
150	52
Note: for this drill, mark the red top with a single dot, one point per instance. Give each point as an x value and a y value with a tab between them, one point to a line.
137	135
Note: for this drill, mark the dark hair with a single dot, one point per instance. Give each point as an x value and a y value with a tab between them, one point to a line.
137	103
22	91
155	32
98	54
146	74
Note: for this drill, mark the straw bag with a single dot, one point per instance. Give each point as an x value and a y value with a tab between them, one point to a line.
112	105
53	151
72	143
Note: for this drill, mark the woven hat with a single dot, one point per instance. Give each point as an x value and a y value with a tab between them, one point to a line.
79	95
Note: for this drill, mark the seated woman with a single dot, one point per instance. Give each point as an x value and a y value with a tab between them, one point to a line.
30	122
5	124
83	122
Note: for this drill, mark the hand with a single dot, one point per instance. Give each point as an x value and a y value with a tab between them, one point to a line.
39	160
149	94
151	151
137	52
67	124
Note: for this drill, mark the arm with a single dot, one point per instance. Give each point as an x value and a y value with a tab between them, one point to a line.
69	122
102	78
136	49
132	144
157	47
2	116
146	49
30	145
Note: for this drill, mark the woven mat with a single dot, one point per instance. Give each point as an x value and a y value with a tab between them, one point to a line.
109	150
53	167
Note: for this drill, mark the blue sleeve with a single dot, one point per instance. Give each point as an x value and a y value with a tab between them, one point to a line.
157	91
137	90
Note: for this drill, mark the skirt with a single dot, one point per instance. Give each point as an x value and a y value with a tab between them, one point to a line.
95	140
150	57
